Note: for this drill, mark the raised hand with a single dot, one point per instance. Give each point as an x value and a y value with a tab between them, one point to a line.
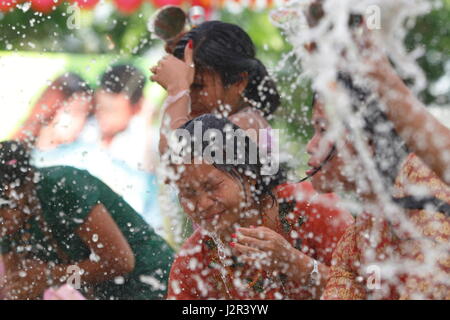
173	74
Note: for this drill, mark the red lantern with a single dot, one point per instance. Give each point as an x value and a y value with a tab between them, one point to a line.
162	3
203	3
44	6
85	4
6	5
128	6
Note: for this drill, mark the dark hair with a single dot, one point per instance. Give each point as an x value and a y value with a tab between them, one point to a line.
16	168
228	50
243	162
124	79
70	83
14	163
389	147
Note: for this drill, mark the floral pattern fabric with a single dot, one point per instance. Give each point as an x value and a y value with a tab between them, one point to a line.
314	227
381	258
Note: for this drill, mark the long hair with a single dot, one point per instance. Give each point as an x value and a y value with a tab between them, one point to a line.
244	162
16	171
228	50
389	148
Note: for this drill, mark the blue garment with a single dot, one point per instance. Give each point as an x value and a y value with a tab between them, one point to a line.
139	188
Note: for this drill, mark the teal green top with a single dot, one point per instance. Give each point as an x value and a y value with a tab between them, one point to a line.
67	196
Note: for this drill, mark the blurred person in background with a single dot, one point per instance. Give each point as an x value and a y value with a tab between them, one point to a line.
59	115
111	141
58	217
122	148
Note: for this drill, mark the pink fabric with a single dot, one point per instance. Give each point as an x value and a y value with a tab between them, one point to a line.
64	292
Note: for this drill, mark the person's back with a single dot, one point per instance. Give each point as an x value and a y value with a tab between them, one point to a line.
67	196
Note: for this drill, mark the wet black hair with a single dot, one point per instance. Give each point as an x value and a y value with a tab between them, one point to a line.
389	148
228	50
70	83
15	164
124	78
252	167
16	168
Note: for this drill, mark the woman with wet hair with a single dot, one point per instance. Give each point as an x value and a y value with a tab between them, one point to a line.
214	69
259	237
398	247
424	135
61	225
60	113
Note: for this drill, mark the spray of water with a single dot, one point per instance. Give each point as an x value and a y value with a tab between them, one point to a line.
336	51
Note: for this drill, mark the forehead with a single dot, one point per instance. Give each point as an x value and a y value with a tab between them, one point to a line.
104	98
198	173
77	102
206	75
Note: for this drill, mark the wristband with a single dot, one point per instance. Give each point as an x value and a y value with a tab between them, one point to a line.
172	99
314	275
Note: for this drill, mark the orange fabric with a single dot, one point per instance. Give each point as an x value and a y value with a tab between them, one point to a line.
314	227
349	276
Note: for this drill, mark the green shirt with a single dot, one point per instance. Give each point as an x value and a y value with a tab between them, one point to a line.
67	196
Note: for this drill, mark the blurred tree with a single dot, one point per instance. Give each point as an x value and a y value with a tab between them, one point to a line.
432	33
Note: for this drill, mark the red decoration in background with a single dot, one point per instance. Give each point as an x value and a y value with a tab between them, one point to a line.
44	6
162	3
85	4
207	5
6	5
128	6
124	6
203	3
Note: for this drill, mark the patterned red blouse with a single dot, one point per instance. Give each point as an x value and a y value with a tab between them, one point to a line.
314	226
378	260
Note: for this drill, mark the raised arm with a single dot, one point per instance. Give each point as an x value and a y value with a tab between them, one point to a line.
176	76
425	135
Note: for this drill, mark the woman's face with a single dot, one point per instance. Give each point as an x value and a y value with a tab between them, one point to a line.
212	198
208	94
337	174
69	120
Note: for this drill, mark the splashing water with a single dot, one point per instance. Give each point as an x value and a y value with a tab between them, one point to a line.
337	51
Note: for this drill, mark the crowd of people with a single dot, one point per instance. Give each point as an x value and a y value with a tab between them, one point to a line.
256	235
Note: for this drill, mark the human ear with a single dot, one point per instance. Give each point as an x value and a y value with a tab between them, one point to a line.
267	202
242	83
